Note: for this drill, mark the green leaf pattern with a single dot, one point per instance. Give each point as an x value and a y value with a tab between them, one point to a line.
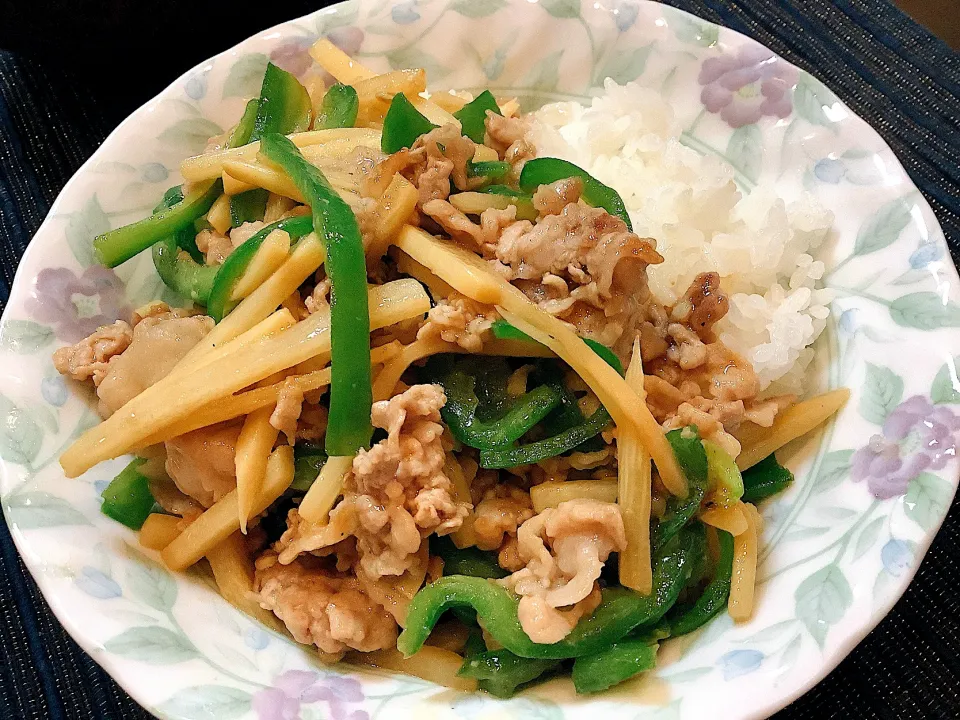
882	392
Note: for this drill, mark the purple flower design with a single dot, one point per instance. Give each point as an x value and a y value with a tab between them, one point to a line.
917	436
744	87
292	56
76	306
302	687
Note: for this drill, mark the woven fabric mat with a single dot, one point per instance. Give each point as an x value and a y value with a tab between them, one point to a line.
58	103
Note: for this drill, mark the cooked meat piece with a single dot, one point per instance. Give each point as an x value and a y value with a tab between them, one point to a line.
552	199
564	549
503	509
323	608
481	237
158	344
319	298
214	246
702	306
458	319
203	463
502	132
90	358
287	412
582	244
396	493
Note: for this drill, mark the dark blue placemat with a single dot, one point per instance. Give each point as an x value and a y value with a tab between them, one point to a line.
883	65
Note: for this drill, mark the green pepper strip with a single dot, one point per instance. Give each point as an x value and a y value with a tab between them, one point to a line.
249	206
181	273
508	457
543	171
503	330
612	665
714	597
459	412
338	109
501	673
723	476
117	246
493	169
402	125
235	264
127	499
306	468
765	479
470	561
473	115
620	610
186	274
351	394
283	107
693	461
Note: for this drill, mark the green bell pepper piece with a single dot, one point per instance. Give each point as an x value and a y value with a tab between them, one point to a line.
723	475
543	171
508	457
460	411
503	330
471	561
306	468
338	108
491	169
229	273
127	499
181	273
475	644
249	206
473	116
612	665
690	454
402	125
351	393
501	673
620	610
765	479
283	107
173	215
117	246
714	598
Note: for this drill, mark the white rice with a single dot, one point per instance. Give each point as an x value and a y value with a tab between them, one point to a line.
761	246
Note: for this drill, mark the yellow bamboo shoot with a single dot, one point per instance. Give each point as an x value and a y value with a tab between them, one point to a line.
254	445
316	504
159	530
757	443
271	254
233	570
634	491
221	520
219	215
550	494
170	400
209	166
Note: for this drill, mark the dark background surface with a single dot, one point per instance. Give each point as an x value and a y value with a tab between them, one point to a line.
71	71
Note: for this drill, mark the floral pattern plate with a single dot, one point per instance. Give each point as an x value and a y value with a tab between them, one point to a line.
839	547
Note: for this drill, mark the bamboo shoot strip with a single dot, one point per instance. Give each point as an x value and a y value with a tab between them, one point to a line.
170	401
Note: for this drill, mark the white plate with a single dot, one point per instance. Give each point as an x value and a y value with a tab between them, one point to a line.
840	546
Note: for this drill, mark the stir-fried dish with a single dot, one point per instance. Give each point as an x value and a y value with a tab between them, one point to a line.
419	407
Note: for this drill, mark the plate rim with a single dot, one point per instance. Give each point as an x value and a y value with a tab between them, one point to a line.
113	665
